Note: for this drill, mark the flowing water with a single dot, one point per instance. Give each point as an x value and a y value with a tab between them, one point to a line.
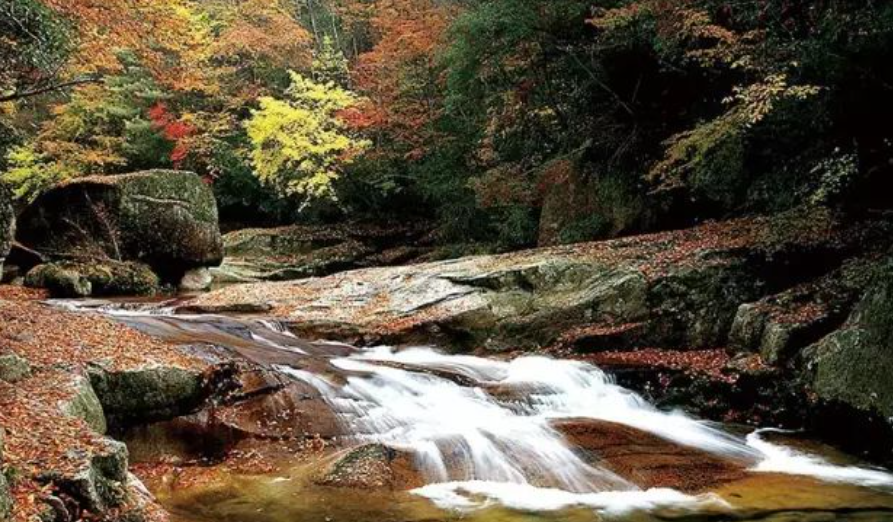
485	437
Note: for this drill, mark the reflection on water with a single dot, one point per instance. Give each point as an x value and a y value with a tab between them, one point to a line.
264	499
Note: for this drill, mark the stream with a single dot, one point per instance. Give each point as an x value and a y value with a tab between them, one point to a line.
493	439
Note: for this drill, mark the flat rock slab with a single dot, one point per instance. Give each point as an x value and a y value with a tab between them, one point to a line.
683	287
647	460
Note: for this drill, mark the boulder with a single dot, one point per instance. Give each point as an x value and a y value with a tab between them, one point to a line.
102	482
7	224
196	280
780	325
853	365
300	251
166	219
99	278
148	393
84	405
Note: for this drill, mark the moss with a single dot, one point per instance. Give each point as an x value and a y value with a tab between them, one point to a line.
167	219
60	281
100	278
85	406
7	223
13	368
149	393
853	365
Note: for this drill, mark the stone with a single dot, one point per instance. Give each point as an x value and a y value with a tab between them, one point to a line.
149	393
371	466
196	280
301	251
853	364
647	460
780	325
683	287
13	368
102	483
7	224
100	277
85	405
166	219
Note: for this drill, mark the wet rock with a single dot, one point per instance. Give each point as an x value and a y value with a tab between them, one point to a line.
196	280
95	277
683	287
166	219
13	368
295	411
647	460
371	466
149	393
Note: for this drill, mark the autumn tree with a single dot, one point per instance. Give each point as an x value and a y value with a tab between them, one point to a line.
400	74
300	144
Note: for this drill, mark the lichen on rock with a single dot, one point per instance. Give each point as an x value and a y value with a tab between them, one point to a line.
166	219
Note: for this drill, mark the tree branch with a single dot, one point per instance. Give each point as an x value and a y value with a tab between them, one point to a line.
49	88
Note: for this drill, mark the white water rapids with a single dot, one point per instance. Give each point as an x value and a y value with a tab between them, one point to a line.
482	430
476	448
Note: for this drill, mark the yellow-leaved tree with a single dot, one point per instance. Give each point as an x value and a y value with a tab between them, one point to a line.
299	145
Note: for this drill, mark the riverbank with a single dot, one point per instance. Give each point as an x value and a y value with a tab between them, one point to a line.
65	381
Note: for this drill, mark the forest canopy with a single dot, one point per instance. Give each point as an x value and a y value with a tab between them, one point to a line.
508	122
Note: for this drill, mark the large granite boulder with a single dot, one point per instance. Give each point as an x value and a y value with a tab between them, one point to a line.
853	365
166	219
7	224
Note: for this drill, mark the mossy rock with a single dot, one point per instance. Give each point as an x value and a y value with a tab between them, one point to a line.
85	405
853	365
99	278
7	224
13	368
166	219
147	394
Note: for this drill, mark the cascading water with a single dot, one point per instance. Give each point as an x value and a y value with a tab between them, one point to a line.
481	427
483	430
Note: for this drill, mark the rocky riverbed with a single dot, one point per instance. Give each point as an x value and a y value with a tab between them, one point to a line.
227	414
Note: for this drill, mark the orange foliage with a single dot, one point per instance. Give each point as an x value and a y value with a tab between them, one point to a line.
161	33
262	29
399	75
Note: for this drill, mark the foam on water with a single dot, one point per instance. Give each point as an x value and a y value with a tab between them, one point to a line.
480	494
782	459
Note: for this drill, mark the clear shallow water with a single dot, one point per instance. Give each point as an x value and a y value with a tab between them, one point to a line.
482	435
